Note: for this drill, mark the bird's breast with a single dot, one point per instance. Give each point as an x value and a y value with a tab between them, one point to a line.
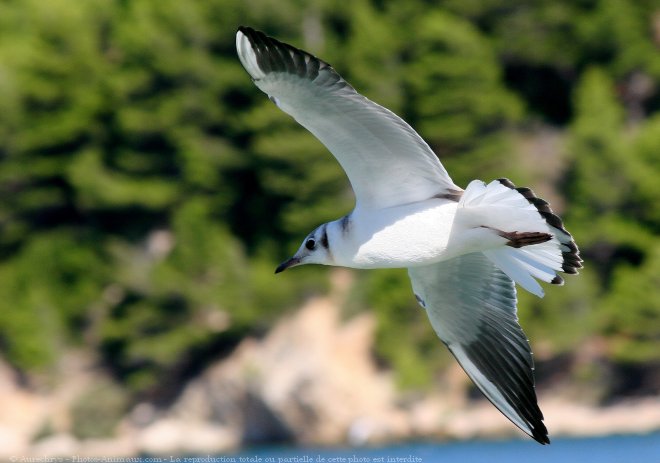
402	236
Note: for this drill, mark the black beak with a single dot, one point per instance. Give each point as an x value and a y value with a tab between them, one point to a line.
286	264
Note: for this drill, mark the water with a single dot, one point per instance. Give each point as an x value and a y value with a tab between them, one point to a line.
610	449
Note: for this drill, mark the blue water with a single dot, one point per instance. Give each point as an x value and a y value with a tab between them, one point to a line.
610	449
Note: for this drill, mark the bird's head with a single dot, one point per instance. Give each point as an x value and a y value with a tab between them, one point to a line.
315	249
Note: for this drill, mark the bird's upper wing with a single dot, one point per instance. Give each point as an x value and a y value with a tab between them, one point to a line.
386	161
472	307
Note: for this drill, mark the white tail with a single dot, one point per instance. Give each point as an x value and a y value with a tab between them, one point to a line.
517	212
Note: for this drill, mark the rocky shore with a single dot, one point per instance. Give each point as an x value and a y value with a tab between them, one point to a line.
311	380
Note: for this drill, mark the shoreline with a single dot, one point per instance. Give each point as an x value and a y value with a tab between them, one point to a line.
168	438
295	385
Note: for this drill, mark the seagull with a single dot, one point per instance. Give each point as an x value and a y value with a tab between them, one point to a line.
465	249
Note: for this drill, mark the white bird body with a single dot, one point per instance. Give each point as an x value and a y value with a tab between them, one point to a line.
463	249
400	236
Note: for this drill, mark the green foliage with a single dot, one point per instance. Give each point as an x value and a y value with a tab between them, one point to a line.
130	168
458	102
615	218
598	174
644	168
404	339
565	317
44	294
149	189
632	310
97	411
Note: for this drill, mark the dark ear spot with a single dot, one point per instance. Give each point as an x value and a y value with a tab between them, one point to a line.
324	238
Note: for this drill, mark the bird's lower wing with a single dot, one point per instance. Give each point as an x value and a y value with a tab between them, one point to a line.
472	307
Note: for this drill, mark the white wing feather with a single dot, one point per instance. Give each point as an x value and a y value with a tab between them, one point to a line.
472	307
386	161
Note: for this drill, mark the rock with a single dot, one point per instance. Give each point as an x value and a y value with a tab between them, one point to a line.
143	414
57	445
23	414
207	438
627	417
12	442
477	420
175	436
161	437
311	379
122	446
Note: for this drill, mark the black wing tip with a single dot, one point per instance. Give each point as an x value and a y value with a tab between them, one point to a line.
557	280
533	418
252	33
537	429
248	32
540	434
570	253
506	182
273	55
513	378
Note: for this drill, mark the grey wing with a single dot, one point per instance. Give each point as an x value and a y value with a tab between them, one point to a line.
386	161
472	307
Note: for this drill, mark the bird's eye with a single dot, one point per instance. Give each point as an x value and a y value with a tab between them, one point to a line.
310	244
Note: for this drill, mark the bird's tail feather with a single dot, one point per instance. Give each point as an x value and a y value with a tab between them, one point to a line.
538	246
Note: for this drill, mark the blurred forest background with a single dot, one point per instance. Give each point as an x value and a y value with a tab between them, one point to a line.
149	189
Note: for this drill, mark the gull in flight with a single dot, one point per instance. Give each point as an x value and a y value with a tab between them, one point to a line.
464	249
